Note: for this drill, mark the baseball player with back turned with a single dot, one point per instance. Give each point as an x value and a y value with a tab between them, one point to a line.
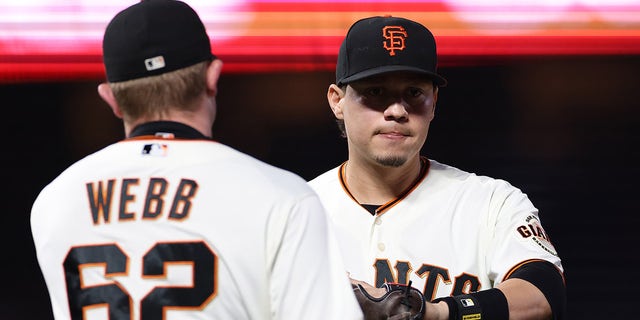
473	245
168	223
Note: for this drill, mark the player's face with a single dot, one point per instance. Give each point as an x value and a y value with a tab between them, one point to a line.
387	117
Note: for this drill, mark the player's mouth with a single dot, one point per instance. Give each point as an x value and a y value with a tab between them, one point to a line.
393	134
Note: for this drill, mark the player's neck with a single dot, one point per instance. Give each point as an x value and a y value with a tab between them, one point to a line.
200	119
377	184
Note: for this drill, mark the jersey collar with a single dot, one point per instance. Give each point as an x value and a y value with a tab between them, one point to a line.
169	129
424	169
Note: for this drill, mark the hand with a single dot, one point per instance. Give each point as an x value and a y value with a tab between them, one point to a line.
393	301
439	311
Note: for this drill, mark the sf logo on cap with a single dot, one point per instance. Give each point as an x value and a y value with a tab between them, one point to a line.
394	38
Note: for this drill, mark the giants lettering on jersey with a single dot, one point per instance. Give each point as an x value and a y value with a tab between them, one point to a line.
101	198
533	230
463	284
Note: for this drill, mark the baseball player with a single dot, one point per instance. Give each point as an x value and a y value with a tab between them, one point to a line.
169	224
473	245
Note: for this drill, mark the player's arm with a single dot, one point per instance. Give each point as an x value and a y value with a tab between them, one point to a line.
524	300
535	290
306	266
537	283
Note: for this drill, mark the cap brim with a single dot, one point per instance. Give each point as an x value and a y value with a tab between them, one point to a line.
437	79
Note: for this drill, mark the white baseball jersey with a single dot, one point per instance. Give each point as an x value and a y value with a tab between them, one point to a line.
450	233
156	227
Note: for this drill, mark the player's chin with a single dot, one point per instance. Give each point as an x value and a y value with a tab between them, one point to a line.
391	160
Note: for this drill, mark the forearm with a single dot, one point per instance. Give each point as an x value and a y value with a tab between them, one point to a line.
525	300
436	311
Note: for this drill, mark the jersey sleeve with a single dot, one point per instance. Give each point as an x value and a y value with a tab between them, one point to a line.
308	278
517	233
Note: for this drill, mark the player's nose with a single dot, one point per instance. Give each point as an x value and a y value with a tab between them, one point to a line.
397	111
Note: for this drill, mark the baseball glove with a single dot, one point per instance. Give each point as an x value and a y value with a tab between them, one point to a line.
400	302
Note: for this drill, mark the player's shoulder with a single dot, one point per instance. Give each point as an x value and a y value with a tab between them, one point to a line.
444	172
496	191
328	178
256	174
279	178
68	177
203	159
266	178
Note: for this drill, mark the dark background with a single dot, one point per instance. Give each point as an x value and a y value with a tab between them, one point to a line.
565	130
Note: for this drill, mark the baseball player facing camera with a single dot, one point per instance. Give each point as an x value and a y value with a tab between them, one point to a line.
473	245
159	226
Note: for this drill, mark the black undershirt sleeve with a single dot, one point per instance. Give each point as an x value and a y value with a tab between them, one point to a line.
548	279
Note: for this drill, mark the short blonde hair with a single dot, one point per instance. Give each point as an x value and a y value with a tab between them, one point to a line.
156	95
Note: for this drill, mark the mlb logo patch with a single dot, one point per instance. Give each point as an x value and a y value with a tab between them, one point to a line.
467	302
155	149
154	63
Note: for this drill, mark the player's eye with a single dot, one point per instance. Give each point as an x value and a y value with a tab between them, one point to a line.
375	97
414	96
374	91
415	92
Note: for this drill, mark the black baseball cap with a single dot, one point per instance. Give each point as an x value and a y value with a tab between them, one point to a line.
384	44
153	37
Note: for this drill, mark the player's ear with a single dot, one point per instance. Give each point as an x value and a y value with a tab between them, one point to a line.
334	96
104	90
213	74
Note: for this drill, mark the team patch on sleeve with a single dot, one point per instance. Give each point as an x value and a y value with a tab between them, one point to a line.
532	230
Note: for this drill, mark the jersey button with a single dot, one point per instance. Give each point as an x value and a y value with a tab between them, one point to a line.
381	246
378	221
